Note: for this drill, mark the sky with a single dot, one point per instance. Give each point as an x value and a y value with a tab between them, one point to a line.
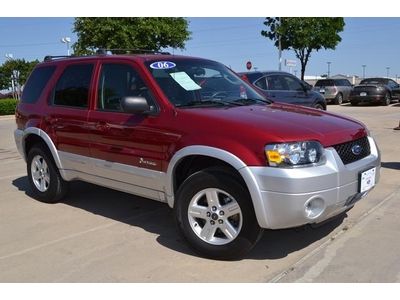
233	41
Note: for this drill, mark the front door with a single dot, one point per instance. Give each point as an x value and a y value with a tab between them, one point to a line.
126	147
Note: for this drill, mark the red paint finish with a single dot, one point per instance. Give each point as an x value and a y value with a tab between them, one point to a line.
151	141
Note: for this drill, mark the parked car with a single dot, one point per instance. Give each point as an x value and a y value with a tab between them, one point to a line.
191	133
375	90
335	91
284	87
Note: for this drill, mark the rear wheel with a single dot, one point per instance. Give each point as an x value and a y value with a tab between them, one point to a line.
386	100
44	177
339	98
215	215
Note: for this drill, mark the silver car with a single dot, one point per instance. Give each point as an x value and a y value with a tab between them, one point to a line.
334	91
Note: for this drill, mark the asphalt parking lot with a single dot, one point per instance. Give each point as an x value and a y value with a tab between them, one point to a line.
101	235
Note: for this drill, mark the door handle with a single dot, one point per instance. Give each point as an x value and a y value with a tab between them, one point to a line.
50	120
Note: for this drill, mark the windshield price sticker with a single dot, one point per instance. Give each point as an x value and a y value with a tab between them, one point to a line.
185	81
162	65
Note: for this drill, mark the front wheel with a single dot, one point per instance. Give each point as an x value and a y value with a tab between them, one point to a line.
319	106
215	215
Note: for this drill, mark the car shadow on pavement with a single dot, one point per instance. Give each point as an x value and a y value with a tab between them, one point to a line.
391	165
157	218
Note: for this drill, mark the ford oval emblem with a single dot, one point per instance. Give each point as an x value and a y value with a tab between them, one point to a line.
356	149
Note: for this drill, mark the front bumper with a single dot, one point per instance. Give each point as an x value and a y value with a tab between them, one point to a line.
282	195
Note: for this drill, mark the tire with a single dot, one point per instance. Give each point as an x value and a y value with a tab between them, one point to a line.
387	99
207	225
339	99
319	106
44	177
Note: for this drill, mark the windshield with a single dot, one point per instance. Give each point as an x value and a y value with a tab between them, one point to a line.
374	81
197	82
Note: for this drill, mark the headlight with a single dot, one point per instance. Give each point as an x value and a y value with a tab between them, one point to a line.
294	154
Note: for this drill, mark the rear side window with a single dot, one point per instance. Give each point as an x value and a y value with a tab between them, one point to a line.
36	83
72	89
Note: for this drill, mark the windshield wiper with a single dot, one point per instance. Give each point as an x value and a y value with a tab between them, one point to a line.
245	101
208	102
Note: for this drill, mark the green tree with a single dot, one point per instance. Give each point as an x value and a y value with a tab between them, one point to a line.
6	71
129	33
304	35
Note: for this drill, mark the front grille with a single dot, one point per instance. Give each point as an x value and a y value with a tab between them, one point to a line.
346	154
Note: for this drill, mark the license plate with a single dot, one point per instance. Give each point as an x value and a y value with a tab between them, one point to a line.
367	180
322	90
363	94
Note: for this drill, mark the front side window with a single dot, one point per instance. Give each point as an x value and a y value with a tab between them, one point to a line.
72	89
277	83
197	82
293	84
118	81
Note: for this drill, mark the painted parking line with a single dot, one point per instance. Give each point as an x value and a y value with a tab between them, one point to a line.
13	176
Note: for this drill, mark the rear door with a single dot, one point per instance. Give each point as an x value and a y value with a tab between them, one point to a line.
67	113
278	89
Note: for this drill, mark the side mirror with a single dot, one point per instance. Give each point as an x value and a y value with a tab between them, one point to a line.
135	105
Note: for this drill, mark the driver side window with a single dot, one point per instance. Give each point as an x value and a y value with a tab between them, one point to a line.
293	84
116	82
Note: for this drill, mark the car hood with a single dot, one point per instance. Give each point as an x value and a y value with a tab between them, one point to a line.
277	122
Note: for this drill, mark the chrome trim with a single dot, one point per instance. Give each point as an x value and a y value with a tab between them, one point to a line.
146	178
116	185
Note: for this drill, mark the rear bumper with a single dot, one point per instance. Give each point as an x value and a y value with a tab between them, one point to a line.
285	195
367	99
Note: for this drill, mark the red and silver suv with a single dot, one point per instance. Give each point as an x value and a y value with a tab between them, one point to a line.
189	132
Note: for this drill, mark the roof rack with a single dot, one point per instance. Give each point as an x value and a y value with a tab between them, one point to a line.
130	51
51	57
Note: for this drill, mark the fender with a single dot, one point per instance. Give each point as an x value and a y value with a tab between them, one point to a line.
21	135
227	157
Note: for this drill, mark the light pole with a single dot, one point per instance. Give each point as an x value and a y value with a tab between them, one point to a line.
14	77
280	46
329	68
364	71
66	40
387	72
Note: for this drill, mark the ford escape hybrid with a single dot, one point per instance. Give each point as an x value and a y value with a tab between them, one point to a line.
189	132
